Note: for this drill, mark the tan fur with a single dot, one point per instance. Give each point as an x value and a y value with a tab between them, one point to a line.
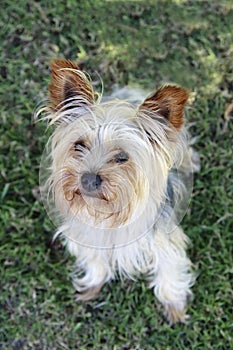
68	81
128	224
169	102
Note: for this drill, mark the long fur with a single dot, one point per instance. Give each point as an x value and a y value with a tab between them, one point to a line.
129	226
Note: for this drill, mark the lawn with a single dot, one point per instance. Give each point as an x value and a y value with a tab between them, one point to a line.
144	43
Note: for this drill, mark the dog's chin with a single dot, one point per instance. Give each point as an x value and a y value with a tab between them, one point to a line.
95	209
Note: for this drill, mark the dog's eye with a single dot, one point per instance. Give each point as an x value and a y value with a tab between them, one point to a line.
121	157
79	146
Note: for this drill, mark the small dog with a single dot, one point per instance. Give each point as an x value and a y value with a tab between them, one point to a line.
116	180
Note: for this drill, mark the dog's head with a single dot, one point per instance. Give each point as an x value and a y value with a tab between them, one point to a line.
110	160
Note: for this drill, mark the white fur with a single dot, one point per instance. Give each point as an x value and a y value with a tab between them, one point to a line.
149	242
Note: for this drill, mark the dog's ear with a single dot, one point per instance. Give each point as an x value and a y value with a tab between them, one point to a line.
68	84
169	102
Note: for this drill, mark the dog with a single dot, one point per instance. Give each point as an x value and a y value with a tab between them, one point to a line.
116	178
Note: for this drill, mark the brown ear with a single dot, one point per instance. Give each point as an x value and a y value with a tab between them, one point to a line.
169	102
68	82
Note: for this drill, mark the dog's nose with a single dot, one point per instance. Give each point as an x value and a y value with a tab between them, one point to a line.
90	181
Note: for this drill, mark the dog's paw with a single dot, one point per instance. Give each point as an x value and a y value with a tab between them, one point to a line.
88	294
175	314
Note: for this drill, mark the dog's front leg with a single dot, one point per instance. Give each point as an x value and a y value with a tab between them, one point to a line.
95	274
172	277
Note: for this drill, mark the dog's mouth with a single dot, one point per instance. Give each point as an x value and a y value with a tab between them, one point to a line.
103	205
91	194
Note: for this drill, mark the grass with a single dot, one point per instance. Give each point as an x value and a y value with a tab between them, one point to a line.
137	42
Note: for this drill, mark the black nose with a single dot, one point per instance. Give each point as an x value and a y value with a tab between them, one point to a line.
90	181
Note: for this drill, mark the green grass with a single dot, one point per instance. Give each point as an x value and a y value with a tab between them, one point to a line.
145	43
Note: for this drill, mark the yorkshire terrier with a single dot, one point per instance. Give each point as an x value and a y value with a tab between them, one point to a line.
117	180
